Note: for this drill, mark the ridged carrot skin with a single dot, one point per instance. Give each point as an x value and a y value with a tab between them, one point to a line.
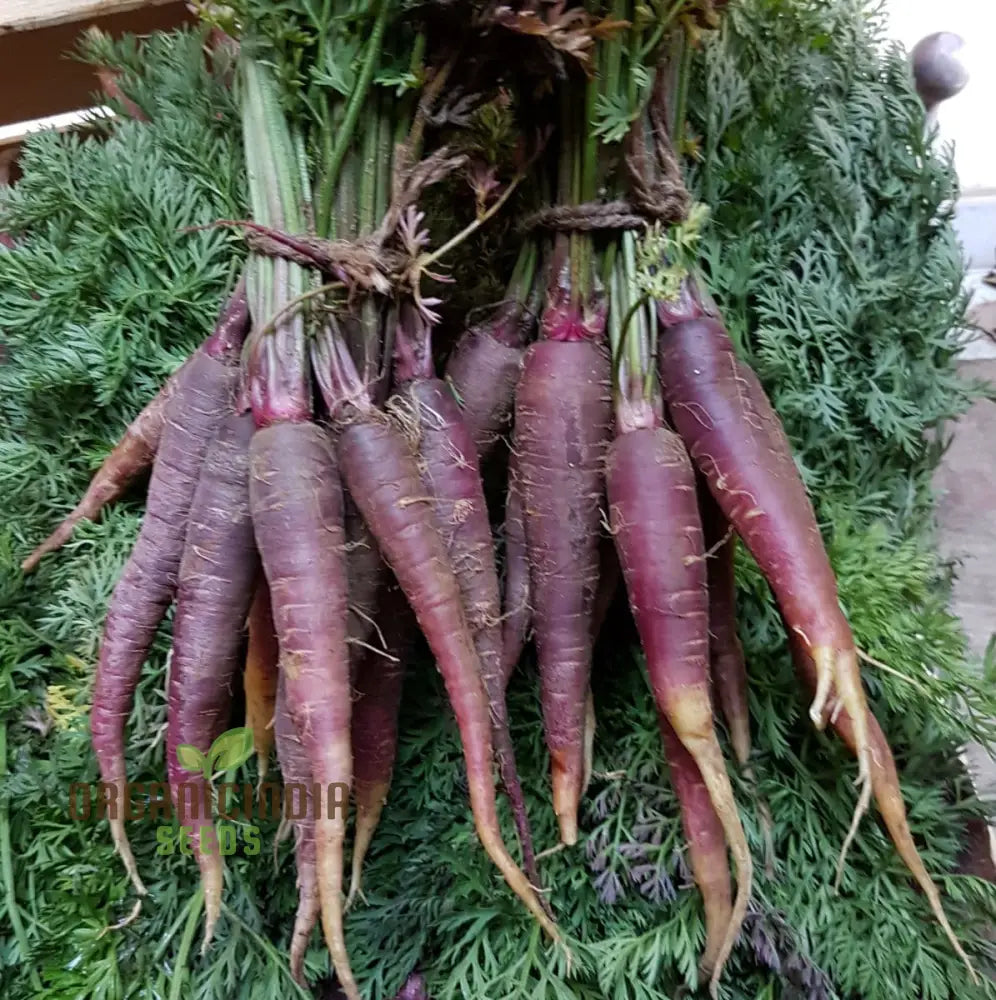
483	372
449	465
888	797
217	577
380	470
654	517
516	612
726	655
562	418
377	684
260	678
706	844
297	511
366	571
295	769
148	582
739	445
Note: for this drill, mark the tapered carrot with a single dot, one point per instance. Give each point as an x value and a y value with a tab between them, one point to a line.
562	419
148	583
217	577
449	463
706	844
260	677
296	499
654	517
296	772
888	796
726	655
379	469
379	678
298	516
738	444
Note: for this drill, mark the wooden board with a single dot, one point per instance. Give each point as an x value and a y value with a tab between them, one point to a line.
38	76
28	15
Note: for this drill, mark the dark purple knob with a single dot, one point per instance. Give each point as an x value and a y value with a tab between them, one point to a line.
937	71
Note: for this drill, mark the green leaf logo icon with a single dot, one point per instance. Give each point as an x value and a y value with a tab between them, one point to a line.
230	749
191	759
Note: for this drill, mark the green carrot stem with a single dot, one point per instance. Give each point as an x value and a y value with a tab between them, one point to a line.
681	96
369	169
385	163
180	970
344	134
637	350
7	869
523	273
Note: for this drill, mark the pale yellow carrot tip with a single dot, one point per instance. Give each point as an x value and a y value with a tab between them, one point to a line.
123	848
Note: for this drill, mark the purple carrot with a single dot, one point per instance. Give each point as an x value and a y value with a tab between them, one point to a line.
739	445
217	579
365	570
888	796
259	681
298	515
562	421
706	844
450	471
380	470
654	515
484	368
148	581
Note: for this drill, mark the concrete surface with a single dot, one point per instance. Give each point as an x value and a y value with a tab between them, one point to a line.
966	488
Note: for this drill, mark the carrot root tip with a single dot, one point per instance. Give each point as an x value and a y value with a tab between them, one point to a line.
566	796
568	828
123	848
860	808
